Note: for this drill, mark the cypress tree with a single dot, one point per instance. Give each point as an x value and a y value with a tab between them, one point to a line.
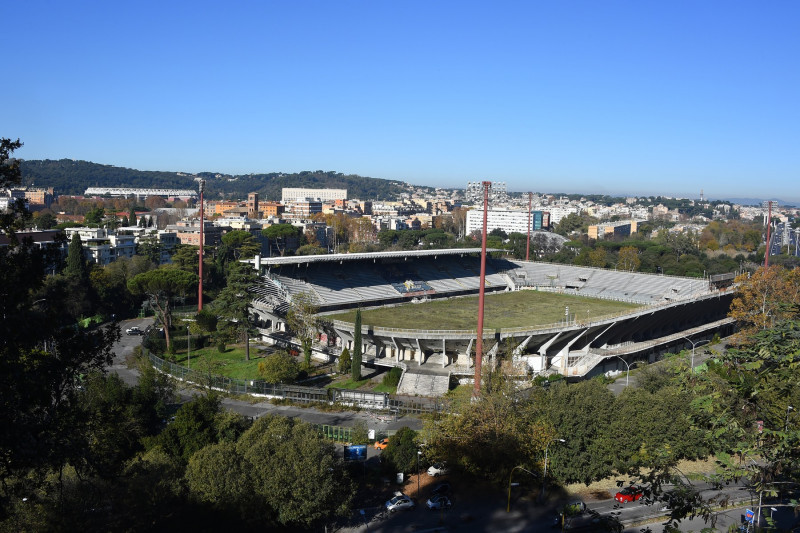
355	368
76	262
132	216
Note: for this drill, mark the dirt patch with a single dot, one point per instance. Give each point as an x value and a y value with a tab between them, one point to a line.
606	488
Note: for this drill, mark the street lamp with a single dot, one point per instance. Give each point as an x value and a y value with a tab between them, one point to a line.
418	454
546	448
695	343
628	371
188	347
786	424
508	507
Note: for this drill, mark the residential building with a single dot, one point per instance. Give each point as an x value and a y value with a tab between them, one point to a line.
510	221
290	194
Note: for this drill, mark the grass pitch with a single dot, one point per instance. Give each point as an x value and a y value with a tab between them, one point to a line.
502	310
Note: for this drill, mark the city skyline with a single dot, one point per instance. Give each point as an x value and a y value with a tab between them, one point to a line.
609	98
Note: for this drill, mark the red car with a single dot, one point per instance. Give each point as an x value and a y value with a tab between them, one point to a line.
629	494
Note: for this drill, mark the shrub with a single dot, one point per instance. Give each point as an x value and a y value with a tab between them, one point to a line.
392	377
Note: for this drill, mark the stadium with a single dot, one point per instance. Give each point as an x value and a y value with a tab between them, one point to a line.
551	318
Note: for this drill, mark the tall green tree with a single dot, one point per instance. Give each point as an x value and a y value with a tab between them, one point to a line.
239	244
355	366
401	453
235	303
13	218
41	362
160	286
77	267
302	320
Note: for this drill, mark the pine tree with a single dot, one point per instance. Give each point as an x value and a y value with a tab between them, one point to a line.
76	261
132	216
345	362
355	369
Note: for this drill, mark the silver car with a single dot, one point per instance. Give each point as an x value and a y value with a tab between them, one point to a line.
438	501
400	503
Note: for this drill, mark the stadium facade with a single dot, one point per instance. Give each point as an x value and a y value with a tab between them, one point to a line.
672	309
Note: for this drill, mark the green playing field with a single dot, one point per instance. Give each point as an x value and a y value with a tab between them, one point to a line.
502	310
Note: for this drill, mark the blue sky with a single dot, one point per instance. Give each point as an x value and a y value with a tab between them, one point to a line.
576	96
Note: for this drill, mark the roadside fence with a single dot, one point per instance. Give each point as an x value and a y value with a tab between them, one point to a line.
296	393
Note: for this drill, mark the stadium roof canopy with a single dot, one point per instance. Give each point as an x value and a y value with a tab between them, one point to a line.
329	258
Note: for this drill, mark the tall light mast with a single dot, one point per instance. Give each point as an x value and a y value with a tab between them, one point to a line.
200	252
528	245
769	224
479	343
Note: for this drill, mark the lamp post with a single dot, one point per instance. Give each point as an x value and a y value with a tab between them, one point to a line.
786	424
695	343
418	454
628	370
508	507
546	449
188	347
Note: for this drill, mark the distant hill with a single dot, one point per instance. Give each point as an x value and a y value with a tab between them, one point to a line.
67	176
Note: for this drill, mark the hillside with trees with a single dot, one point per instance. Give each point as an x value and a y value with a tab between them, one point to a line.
68	176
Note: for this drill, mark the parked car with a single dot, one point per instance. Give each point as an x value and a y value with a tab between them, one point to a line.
441	488
629	494
401	502
381	444
134	330
437	469
438	501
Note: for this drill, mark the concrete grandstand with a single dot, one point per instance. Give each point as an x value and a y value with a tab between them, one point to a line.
673	309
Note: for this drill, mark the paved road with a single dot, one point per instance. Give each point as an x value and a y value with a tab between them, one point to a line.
125	347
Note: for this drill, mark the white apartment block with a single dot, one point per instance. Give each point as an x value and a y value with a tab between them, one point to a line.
507	220
291	194
557	212
102	246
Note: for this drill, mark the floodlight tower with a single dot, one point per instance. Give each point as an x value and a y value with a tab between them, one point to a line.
769	225
528	245
200	252
481	293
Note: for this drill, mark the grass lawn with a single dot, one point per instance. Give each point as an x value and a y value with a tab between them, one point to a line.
231	363
502	310
385	388
348	384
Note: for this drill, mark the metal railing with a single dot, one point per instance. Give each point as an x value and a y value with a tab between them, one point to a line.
295	393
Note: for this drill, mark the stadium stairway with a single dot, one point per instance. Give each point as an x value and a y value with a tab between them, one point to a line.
432	385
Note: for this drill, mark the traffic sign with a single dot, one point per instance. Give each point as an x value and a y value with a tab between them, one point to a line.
750	516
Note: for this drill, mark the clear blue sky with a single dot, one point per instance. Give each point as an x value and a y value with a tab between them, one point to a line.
577	96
